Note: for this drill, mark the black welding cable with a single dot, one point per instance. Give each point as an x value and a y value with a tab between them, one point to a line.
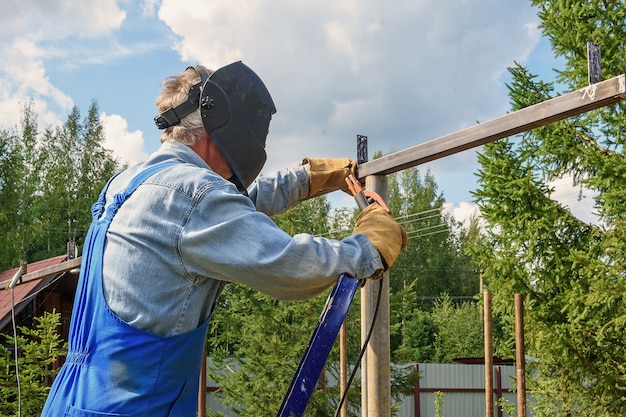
367	340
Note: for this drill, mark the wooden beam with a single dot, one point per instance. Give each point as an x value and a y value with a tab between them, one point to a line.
581	101
49	271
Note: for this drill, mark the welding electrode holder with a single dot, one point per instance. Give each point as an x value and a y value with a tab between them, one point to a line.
362	197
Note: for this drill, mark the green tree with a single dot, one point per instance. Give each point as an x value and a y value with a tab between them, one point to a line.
459	330
447	331
434	258
39	348
76	168
571	272
19	193
433	264
419	337
48	182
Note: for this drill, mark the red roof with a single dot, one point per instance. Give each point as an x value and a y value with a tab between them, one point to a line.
21	291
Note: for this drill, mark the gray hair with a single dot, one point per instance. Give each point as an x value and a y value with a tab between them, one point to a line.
175	90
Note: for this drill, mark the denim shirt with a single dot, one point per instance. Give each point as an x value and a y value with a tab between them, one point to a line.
186	231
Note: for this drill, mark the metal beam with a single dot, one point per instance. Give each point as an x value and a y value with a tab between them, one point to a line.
377	370
580	101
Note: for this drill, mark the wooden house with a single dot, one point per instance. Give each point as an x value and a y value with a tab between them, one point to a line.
43	286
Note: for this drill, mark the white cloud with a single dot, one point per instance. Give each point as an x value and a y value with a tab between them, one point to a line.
59	19
400	75
31	31
578	199
127	146
462	212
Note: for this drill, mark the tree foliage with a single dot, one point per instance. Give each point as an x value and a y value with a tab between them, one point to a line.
48	181
571	272
19	182
39	348
433	265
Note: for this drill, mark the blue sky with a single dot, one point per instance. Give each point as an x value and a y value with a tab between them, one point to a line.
400	72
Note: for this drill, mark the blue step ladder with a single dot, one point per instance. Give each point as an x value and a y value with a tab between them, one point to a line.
320	345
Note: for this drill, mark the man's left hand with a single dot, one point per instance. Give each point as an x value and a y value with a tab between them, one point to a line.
328	174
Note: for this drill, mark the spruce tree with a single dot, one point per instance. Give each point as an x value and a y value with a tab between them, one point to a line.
570	271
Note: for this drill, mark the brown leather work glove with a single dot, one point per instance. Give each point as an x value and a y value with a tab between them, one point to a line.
382	230
328	174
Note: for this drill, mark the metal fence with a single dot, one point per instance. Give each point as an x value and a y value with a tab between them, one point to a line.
462	389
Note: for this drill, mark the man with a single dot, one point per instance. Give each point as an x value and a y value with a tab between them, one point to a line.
169	233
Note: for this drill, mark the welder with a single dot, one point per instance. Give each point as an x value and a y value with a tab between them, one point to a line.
169	233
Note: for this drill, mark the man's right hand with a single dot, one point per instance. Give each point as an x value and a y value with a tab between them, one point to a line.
385	234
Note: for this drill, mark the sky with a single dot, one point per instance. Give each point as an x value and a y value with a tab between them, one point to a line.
400	72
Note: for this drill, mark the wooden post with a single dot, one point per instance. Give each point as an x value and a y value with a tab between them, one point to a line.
520	358
488	356
378	355
343	367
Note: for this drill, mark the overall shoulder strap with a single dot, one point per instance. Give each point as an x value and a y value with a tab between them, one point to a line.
145	174
120	197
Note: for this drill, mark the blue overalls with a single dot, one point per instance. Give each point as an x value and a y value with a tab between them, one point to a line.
112	368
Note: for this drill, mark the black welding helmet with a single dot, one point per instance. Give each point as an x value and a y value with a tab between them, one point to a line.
236	110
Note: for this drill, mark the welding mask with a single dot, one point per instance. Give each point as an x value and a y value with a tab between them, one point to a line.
236	111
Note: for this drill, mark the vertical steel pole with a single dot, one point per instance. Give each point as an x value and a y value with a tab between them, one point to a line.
417	408
488	356
520	356
362	157
365	322
594	70
379	349
343	367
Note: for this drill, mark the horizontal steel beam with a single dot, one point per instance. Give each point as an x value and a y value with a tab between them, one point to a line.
581	101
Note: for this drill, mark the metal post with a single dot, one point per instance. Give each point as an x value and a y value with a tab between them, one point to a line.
499	389
379	349
594	74
343	367
488	356
366	319
361	155
520	358
416	392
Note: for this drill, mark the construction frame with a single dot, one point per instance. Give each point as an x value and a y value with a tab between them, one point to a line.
376	365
